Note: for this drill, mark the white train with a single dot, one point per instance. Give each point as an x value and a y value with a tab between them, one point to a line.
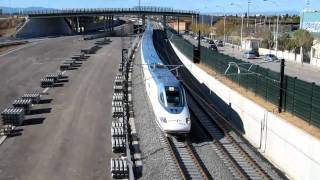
165	92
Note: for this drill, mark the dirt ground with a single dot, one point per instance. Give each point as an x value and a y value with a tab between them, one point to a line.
8	25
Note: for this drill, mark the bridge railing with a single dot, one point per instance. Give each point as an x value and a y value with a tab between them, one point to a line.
110	10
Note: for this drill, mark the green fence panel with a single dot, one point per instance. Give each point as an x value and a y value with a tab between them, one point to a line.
300	98
315	114
289	94
183	45
303	96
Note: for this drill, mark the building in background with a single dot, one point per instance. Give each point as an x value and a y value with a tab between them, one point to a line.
183	26
310	21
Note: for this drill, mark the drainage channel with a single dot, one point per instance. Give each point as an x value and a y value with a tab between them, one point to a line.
240	164
185	158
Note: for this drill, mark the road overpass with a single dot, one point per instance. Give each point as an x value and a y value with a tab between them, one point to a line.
68	21
110	11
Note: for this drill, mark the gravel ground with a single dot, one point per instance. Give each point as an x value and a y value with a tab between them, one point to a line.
155	164
263	162
204	148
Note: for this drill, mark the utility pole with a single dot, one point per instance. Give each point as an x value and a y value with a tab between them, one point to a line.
241	35
242	19
224	22
224	29
255	25
249	1
277	23
211	22
178	25
277	33
139	15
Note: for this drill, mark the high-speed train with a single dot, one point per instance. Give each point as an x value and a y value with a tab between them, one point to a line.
165	92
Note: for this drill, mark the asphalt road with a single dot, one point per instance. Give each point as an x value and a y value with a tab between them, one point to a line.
69	136
302	71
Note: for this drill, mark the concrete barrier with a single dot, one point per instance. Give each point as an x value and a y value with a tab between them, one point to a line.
291	149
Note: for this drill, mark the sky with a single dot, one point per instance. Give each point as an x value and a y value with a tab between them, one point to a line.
204	6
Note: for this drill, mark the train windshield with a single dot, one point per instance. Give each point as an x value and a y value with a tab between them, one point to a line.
174	96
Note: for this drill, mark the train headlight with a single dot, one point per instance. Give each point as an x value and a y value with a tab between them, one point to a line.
163	119
188	120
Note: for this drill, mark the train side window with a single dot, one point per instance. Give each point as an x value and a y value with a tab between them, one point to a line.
161	98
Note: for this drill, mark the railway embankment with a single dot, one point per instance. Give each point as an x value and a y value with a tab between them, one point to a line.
282	143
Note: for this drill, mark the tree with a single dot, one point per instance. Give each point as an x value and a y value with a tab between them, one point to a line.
232	26
303	39
204	28
267	37
284	42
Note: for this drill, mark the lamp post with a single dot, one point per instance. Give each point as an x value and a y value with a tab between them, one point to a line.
242	16
248	17
197	19
224	23
277	31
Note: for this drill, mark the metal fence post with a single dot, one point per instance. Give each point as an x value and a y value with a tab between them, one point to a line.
267	84
293	95
284	104
311	102
281	86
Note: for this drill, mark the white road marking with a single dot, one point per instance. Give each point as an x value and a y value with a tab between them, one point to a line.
2	139
45	90
17	49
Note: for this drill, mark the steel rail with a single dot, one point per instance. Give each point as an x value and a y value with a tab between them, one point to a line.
185	159
249	167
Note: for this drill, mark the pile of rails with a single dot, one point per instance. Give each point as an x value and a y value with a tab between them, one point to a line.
50	79
127	164
15	115
119	129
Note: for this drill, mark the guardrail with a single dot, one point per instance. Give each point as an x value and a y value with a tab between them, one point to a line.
135	10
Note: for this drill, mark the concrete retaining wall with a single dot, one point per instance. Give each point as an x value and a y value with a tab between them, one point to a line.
42	27
289	148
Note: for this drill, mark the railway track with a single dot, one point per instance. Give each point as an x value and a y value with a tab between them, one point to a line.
185	159
232	152
240	164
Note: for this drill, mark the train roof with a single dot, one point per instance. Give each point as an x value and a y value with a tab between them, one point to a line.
158	70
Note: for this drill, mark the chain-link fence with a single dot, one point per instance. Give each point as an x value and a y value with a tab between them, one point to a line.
301	98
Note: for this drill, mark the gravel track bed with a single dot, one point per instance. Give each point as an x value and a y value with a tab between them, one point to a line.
261	161
204	148
155	165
